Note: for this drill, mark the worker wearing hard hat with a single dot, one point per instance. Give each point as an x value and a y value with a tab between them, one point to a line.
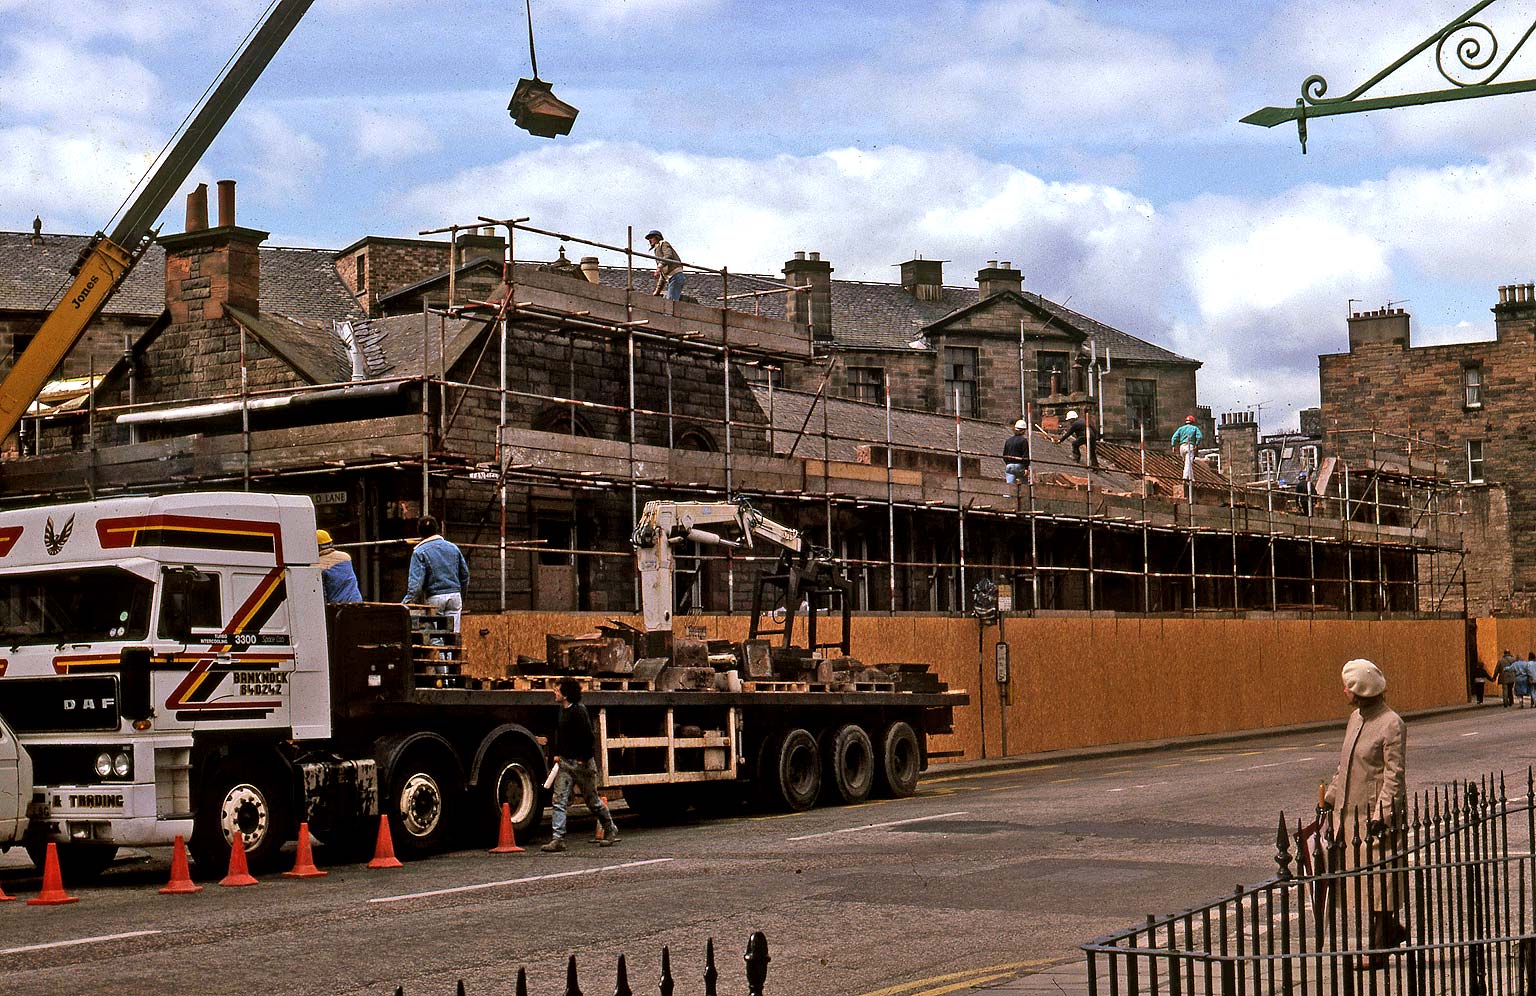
669	267
336	574
1016	453
1186	438
1079	432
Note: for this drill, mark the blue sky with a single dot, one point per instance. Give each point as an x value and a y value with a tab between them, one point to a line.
1094	144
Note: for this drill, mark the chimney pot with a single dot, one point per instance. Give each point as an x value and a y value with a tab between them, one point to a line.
226	203
992	263
589	269
1007	264
800	254
815	256
197	209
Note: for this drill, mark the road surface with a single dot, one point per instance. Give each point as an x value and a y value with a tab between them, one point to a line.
982	876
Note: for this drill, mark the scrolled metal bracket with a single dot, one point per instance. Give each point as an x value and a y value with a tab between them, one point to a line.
1467	54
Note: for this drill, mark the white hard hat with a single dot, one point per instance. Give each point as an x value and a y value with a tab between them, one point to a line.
1021	424
1071	414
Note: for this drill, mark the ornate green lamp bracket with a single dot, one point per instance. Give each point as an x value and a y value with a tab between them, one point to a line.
1466	53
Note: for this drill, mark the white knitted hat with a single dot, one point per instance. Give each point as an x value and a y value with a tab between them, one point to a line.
1364	678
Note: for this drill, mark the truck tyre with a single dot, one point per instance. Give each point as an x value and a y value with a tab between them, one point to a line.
901	761
247	795
849	760
790	770
511	774
423	802
78	863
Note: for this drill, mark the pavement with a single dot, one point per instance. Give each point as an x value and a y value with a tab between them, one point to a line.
986	881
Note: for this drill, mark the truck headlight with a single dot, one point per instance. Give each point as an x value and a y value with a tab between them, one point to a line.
122	764
103	765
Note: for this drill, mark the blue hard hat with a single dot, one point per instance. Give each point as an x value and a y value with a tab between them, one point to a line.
653	234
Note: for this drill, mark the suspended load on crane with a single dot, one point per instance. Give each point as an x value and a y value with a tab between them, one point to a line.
534	106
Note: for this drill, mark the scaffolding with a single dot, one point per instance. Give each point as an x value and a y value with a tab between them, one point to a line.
1368	538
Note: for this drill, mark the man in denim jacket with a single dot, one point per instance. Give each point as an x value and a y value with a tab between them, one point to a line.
439	573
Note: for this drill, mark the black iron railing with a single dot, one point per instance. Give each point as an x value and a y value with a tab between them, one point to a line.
1436	899
756	959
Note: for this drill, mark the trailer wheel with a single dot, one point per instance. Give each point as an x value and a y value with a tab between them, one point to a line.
901	761
423	802
78	863
849	758
791	769
245	795
513	775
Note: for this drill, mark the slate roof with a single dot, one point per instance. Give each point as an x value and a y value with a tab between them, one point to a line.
299	284
871	315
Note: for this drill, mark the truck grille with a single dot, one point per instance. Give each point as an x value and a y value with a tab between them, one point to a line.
60	705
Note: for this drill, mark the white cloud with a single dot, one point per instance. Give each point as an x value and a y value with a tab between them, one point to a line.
286	162
1029	72
392	138
58	82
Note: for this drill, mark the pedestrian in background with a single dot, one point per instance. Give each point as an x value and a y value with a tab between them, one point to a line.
439	572
1016	453
575	745
1479	679
1369	791
1525	675
337	578
669	267
1186	439
1507	673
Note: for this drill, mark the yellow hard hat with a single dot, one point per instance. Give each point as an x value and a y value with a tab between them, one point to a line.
323	538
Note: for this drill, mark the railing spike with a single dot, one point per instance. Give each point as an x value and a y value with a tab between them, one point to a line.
711	974
621	988
757	963
522	982
571	986
460	990
1283	850
666	972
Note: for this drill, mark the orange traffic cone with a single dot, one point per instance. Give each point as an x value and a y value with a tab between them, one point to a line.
53	883
384	850
304	864
506	841
181	883
604	800
239	874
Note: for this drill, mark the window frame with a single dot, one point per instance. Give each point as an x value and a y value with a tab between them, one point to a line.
1133	419
1311	458
1043	372
1271	472
860	389
1473	393
1479	462
971	391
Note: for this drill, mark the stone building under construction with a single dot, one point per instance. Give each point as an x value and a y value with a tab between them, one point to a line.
534	407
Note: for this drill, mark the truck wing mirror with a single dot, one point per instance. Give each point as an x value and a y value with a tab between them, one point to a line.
134	694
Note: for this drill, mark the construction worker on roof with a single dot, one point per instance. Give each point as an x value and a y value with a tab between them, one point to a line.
669	267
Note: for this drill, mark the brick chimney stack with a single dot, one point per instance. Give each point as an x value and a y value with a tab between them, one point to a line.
999	279
923	278
812	308
1383	327
1239	441
209	269
1515	314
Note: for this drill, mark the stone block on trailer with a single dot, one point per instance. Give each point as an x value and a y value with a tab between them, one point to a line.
679	679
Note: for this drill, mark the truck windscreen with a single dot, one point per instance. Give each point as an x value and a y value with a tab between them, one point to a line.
83	605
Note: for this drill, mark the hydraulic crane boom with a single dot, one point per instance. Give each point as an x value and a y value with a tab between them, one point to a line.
106	262
664	525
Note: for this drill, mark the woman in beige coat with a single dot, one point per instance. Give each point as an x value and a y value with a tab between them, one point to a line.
1369	787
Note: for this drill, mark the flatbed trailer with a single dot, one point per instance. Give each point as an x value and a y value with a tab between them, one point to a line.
173	669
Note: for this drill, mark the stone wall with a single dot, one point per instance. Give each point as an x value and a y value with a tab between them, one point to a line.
1387	384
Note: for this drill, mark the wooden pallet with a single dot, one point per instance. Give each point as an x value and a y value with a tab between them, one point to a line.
599	683
775	686
857	686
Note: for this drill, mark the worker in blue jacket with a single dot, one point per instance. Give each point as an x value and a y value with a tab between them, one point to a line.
439	572
337	577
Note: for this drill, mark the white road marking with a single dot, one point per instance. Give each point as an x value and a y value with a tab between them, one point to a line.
517	881
878	826
77	941
1115	790
1472	734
